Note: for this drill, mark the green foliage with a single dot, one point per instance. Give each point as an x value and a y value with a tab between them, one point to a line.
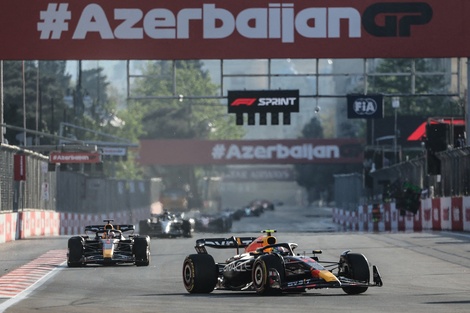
318	178
172	109
45	83
173	104
428	78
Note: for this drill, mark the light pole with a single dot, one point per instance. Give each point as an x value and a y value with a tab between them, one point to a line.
395	106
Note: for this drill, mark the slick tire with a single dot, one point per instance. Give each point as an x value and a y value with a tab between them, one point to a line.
142	250
200	273
144	228
187	233
357	269
261	271
75	252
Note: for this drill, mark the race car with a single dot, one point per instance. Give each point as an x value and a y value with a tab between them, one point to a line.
211	222
108	245
269	267
167	225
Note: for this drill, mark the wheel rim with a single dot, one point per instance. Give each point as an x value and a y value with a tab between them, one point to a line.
187	274
259	276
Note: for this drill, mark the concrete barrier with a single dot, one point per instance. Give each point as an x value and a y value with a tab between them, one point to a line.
30	224
448	213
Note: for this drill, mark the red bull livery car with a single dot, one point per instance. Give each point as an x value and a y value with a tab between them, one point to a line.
108	244
267	266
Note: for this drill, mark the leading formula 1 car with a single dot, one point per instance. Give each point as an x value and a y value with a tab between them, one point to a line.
270	267
107	244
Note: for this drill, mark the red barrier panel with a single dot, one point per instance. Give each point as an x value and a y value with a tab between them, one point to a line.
457	214
446	221
436	214
418	221
386	217
466	213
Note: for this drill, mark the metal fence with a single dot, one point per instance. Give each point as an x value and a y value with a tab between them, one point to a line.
34	189
79	193
453	180
41	189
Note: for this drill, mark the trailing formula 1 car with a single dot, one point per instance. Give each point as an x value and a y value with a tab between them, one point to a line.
167	225
108	245
212	223
270	267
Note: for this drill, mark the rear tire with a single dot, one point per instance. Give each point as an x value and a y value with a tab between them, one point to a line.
260	275
144	228
76	248
357	268
187	231
200	273
142	250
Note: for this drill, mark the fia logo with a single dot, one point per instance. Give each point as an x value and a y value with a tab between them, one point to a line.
365	106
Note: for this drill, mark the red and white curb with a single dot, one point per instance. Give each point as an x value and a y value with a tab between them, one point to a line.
17	284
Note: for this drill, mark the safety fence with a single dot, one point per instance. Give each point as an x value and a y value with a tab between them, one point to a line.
30	224
80	193
447	213
447	176
25	182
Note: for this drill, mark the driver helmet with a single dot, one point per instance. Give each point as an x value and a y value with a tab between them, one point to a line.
281	250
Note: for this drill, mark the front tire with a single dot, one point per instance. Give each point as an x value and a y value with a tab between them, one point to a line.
200	273
263	267
356	267
76	248
142	250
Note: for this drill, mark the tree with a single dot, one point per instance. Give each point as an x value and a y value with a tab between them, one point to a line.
429	78
43	110
174	104
317	178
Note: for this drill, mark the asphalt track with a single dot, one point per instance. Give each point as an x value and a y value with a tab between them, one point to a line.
422	272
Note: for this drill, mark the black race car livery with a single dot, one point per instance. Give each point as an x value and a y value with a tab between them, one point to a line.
108	244
269	267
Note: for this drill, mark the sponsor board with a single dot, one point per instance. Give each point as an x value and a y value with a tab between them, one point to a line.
98	30
74	157
365	106
179	152
263	102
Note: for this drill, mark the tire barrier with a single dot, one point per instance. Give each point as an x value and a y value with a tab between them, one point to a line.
449	213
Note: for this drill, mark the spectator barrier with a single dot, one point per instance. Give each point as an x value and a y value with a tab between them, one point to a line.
448	213
30	224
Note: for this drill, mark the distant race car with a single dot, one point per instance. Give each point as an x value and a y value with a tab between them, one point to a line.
215	223
167	225
269	267
107	244
264	204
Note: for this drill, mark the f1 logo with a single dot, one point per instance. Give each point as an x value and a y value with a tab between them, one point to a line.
398	18
243	101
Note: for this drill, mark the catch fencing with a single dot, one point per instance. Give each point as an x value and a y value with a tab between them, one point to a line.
61	191
452	181
35	188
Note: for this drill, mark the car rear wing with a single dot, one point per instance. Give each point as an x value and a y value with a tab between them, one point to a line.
123	228
223	243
